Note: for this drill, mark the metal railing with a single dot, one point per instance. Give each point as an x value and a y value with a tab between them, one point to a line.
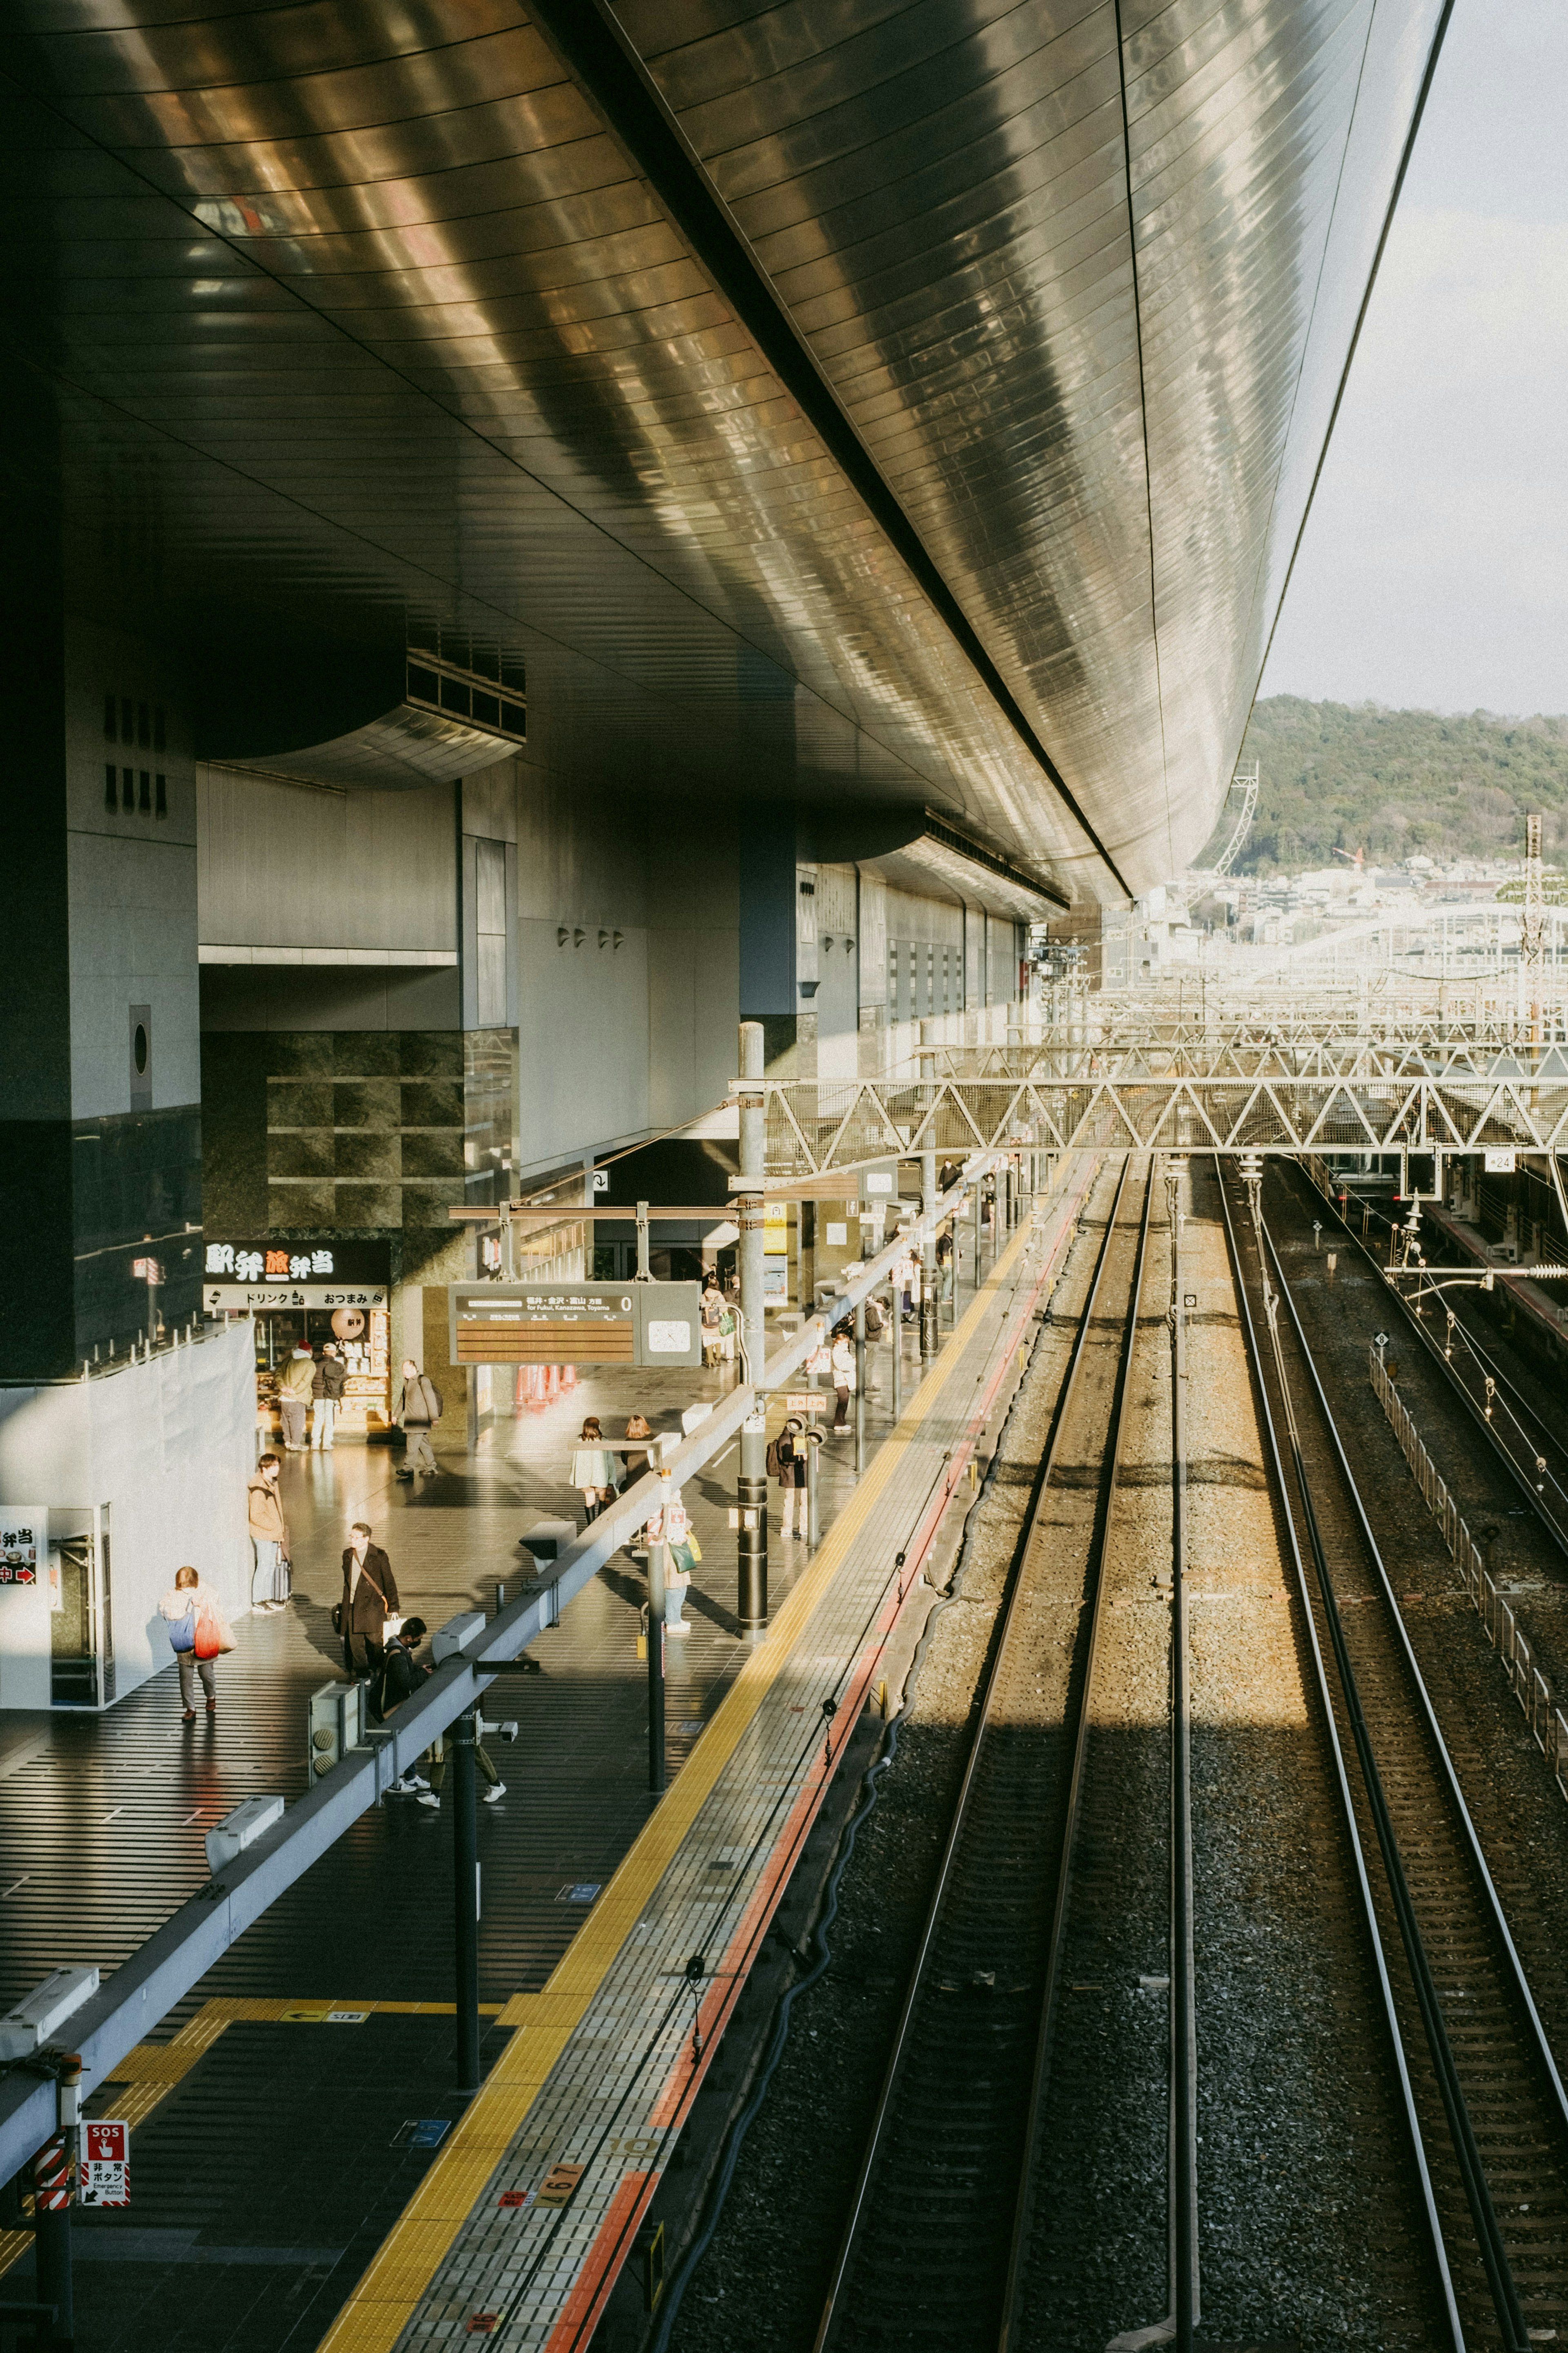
1534	1691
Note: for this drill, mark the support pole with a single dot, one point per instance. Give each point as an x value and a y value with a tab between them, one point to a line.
979	1228
748	1203
752	1484
930	1337
812	1499
860	1387
644	1271
657	1558
895	1341
466	1899
752	1543
55	2170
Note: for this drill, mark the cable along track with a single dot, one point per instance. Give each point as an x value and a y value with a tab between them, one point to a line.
1486	2096
932	2223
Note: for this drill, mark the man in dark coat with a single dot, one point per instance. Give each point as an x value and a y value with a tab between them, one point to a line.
370	1591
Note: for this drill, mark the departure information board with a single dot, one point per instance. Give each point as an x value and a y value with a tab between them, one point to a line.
643	1324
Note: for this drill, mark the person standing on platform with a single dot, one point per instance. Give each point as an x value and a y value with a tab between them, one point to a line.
270	1585
435	1757
786	1461
370	1596
326	1389
843	1362
903	1280
419	1405
294	1395
592	1469
944	1265
198	1632
637	1426
710	1309
671	1526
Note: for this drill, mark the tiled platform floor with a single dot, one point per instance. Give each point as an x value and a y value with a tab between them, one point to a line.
603	2061
101	1819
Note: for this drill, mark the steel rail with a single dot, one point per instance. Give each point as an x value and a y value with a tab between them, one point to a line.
1342	1774
833	2313
1039	2085
1183	1958
1472	2172
1472	1404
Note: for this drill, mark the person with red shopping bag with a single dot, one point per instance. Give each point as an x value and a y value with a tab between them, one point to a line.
198	1633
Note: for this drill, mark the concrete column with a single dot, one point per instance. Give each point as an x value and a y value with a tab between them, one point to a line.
99	1058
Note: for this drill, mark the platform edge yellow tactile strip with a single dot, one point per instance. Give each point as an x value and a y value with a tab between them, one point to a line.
151	2070
389	2292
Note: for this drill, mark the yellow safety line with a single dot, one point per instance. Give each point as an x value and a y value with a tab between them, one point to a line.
151	2070
383	2303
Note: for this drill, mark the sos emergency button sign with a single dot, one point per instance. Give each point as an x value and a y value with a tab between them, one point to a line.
106	2163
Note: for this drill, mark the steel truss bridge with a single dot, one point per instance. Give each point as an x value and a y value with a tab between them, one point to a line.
1239	1094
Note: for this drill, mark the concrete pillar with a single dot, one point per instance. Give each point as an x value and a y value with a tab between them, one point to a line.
99	1056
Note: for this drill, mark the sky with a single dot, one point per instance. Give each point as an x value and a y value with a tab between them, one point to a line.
1434	571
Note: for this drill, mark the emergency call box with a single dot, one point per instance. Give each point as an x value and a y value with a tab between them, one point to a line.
639	1323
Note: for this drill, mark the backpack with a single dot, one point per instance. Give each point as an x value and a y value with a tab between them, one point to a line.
432	1397
772	1461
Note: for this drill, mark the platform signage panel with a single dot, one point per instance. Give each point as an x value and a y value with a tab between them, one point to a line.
105	2162
640	1324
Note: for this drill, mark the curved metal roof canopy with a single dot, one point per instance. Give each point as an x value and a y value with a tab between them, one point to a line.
914	401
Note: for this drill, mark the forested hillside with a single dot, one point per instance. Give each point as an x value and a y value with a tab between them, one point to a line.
1355	776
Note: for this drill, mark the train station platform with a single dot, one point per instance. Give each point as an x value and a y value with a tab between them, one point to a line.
336	2189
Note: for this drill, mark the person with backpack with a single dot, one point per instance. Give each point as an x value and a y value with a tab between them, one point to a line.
671	1526
419	1405
198	1633
786	1463
370	1598
401	1675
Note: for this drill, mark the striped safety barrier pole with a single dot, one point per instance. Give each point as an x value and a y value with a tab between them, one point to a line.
52	2183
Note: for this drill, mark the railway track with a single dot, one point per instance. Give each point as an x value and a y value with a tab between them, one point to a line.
1486	2103
1442	1316
937	2229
